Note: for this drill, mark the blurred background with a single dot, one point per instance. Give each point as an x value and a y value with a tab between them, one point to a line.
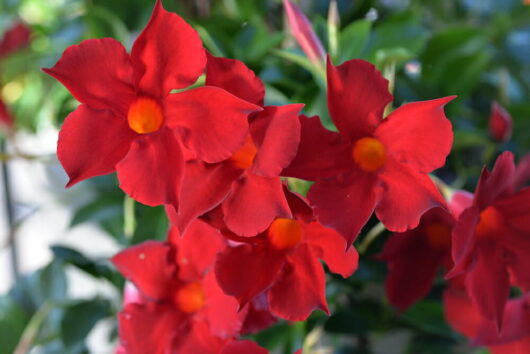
59	293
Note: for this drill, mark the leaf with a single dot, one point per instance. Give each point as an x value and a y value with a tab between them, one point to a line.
80	318
13	320
427	316
353	39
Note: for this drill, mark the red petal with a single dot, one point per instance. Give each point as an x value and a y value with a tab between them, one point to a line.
150	328
301	288
299	206
254	203
92	142
5	116
463	241
243	347
213	122
167	55
321	153
246	271
418	134
516	210
357	97
303	32
215	181
15	38
406	195
235	77
197	249
148	266
412	267
496	184
152	170
500	123
97	72
516	321
521	346
258	316
199	340
522	172
220	310
460	312
329	246
276	132
488	283
345	204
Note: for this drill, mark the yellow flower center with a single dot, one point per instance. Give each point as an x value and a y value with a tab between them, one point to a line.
244	156
369	154
285	233
190	298
145	116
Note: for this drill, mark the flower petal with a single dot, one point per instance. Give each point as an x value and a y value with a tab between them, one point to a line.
254	203
91	143
212	121
463	241
460	201
498	183
97	72
345	204
221	310
412	266
197	249
460	312
522	172
199	340
321	153
147	265
235	77
329	246
418	134
357	97
243	347
215	181
246	271
406	195
301	287
150	328
276	133
167	55
488	283
5	117
15	38
500	123
151	172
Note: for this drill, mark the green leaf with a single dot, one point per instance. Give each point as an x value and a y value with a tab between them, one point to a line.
427	316
13	320
353	39
80	318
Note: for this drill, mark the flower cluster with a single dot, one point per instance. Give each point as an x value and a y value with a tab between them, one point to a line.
243	249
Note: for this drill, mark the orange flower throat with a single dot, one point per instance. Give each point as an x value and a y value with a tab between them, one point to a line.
145	116
369	154
285	233
244	156
190	297
490	222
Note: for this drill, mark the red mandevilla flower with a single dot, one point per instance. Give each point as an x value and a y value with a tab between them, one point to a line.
178	308
491	240
248	183
500	123
128	120
283	262
372	163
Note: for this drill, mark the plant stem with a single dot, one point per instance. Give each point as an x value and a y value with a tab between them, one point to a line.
10	213
129	218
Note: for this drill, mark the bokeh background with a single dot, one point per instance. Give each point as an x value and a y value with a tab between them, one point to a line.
59	293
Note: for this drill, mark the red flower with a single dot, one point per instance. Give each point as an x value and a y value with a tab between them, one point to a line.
372	163
491	240
128	120
465	318
248	183
15	38
283	263
415	256
180	306
500	123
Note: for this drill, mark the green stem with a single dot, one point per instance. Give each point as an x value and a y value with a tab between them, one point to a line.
370	237
32	329
129	217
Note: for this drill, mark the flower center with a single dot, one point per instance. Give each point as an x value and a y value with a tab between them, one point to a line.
285	233
438	235
490	221
190	298
145	116
244	156
369	153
